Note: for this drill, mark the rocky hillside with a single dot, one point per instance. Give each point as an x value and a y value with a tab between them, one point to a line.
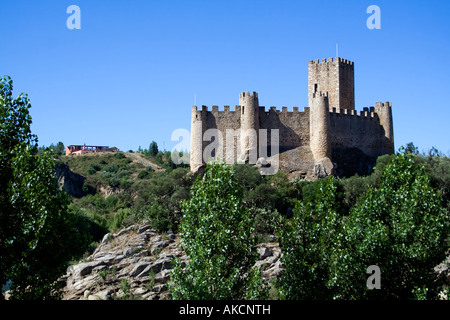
135	263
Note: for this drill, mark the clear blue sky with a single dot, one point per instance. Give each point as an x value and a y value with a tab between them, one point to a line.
130	74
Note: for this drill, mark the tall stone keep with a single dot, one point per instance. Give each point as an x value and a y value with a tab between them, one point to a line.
335	76
249	126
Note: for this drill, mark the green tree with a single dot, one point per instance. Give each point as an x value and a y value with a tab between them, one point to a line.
59	148
153	149
402	228
217	236
411	148
307	245
38	235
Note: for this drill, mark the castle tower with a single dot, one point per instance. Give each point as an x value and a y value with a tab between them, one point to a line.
319	126
249	126
335	76
198	126
384	111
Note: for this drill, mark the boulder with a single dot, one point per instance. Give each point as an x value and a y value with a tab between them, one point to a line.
139	267
69	181
264	253
323	167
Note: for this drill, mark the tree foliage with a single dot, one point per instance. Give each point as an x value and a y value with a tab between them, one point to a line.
153	149
307	245
217	236
400	225
38	235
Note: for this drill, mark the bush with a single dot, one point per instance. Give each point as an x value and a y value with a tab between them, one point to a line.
110	168
268	221
119	155
114	182
85	187
143	174
122	218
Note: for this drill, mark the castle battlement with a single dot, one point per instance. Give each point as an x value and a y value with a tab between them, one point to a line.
329	60
237	108
248	94
367	112
386	104
216	109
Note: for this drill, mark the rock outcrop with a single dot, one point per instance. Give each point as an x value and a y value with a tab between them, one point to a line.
135	263
69	181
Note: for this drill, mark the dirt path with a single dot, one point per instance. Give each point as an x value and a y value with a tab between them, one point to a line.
143	161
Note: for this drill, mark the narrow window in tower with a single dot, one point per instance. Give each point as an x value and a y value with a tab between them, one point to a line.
242	109
315	87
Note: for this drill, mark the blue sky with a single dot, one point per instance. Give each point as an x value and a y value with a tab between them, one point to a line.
129	75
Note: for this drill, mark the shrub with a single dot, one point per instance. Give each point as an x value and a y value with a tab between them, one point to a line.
143	174
268	221
122	218
119	155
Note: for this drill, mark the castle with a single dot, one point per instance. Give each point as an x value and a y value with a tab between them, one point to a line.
327	137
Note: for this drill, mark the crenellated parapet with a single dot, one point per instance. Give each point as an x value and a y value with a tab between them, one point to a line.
337	59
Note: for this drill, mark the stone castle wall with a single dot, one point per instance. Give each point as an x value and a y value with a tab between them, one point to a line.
327	134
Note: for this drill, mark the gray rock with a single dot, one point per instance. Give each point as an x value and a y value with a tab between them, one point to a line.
79	284
264	252
71	182
324	167
138	268
126	230
163	276
156	239
147	270
143	228
101	295
262	163
82	269
159	288
128	251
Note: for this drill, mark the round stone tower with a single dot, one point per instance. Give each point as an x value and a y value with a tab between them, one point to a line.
249	126
320	126
319	130
384	111
198	125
